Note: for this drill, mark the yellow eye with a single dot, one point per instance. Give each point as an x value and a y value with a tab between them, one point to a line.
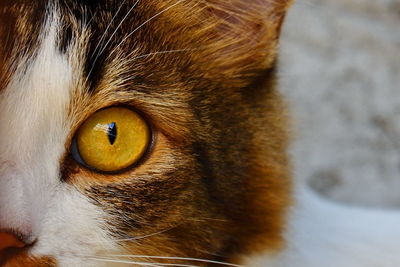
112	139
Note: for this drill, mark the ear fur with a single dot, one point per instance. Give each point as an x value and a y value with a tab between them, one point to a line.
243	36
255	18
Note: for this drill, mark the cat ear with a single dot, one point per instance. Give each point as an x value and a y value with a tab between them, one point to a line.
249	15
243	34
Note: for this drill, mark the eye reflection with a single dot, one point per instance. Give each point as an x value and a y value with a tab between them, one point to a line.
112	132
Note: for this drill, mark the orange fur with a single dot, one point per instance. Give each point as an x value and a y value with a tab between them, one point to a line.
233	45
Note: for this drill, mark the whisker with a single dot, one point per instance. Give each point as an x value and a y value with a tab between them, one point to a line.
177	264
158	53
144	23
119	25
112	35
141	263
144	236
88	22
125	262
107	28
177	258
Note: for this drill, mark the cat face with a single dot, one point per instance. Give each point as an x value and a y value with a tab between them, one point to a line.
206	177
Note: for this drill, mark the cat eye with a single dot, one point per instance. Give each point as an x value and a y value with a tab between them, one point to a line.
111	140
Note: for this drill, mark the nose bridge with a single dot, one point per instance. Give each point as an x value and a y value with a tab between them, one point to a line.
27	125
25	138
33	109
29	156
15	205
34	104
33	127
28	176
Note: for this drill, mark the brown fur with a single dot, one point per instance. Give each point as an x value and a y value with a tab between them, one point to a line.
216	184
25	260
18	20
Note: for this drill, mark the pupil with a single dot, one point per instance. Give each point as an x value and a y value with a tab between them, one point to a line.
112	132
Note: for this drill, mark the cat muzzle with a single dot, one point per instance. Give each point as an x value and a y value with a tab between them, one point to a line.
11	243
8	240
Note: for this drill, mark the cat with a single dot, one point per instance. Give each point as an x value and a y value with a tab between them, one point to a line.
152	133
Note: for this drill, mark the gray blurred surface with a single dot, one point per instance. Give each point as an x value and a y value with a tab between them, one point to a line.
341	75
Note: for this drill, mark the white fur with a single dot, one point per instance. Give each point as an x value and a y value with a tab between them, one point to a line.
324	234
33	129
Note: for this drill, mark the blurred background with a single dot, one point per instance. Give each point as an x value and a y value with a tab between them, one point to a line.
340	72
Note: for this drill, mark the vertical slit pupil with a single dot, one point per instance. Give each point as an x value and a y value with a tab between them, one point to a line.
112	132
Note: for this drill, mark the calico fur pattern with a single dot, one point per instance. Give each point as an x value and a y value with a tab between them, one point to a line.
216	184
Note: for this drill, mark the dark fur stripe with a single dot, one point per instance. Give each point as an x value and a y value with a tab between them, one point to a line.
21	22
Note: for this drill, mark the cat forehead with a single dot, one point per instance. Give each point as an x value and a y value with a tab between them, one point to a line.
151	52
118	43
23	23
222	41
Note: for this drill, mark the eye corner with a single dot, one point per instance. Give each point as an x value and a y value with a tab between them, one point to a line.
74	152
